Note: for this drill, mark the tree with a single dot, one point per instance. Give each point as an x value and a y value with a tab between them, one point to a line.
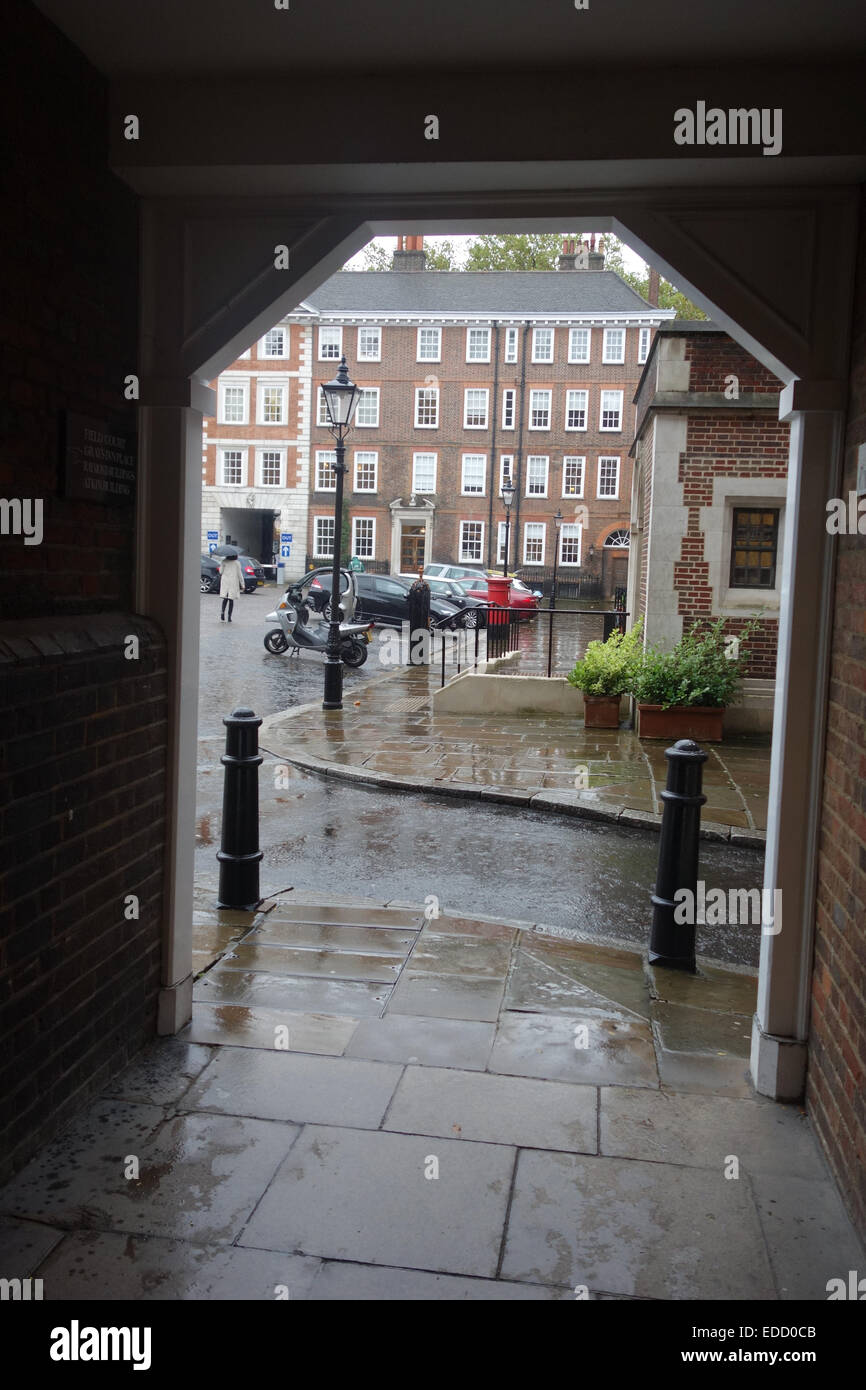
669	297
515	251
440	256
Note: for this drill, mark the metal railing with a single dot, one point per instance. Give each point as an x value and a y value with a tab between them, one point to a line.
569	584
501	628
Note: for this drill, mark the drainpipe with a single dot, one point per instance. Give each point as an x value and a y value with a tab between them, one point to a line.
495	408
518	467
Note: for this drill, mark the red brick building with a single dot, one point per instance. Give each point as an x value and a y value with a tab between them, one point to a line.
708	499
467	378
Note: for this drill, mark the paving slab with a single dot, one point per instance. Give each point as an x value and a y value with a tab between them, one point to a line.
214	935
722	990
382	941
683	1029
382	917
104	1265
559	984
432	1042
703	1131
236	1026
441	954
24	1245
488	929
314	963
702	1074
619	1051
199	1175
359	1283
495	1109
809	1237
292	1086
447	996
362	1195
649	1230
258	988
161	1073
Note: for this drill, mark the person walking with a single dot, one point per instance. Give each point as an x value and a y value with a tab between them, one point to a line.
231	582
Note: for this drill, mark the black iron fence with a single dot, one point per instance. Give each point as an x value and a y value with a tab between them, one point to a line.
569	583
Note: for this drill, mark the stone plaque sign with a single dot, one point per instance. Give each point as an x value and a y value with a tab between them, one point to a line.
98	462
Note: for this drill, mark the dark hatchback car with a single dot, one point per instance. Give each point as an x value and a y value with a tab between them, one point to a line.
384	599
453	592
254	575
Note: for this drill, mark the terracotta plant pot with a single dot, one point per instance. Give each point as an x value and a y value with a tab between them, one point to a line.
703	723
601	711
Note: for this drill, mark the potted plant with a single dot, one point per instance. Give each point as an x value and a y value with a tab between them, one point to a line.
683	693
605	673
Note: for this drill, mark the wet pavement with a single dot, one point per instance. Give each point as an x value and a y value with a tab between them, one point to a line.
392	734
375	1103
587	877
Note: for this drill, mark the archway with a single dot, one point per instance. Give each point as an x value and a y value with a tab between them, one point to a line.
214	281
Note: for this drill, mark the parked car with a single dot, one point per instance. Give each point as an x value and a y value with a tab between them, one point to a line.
384	599
518	595
254	575
453	572
452	592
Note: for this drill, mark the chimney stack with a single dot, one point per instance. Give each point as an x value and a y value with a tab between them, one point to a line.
568	258
596	257
410	254
652	293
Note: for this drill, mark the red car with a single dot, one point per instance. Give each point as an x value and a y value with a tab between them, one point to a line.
519	596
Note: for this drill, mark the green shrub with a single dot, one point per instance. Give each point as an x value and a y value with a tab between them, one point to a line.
608	668
697	672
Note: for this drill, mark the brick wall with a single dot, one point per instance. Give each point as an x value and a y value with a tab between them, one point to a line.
836	1094
82	819
736	444
82	775
68	321
714	358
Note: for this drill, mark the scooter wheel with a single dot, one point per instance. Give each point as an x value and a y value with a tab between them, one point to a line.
275	642
354	653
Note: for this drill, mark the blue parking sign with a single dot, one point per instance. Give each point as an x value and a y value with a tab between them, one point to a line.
213	535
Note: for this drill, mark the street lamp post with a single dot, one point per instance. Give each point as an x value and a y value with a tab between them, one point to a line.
341	398
506	492
557	522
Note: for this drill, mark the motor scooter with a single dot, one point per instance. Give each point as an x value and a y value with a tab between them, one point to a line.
292	636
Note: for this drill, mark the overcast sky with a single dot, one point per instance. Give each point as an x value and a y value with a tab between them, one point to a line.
632	261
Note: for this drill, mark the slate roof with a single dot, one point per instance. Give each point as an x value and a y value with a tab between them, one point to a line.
491	292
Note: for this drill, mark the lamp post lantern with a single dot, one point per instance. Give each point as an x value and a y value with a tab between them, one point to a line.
506	492
557	522
341	399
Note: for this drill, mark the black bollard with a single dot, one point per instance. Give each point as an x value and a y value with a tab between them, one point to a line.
672	943
239	854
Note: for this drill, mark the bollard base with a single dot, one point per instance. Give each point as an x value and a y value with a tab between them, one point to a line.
672	962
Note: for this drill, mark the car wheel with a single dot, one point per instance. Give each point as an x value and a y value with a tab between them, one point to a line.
205	584
327	611
471	618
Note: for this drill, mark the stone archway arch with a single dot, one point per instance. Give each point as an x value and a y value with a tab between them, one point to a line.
213	281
